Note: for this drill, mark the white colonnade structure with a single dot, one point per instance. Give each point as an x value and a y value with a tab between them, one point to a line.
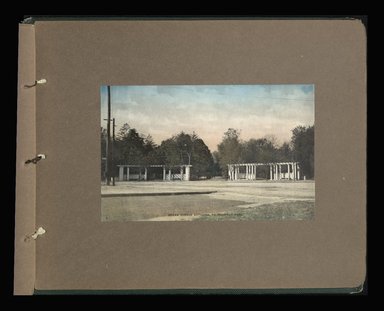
277	171
140	172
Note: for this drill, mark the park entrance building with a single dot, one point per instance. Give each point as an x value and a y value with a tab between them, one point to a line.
271	171
153	172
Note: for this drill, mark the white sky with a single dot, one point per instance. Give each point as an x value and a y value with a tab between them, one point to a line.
209	110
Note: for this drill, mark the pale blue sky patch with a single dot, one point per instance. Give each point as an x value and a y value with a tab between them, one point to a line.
209	110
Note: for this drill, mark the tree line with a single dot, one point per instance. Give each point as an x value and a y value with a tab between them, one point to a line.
131	147
263	150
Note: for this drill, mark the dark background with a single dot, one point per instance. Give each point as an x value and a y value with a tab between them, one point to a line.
10	21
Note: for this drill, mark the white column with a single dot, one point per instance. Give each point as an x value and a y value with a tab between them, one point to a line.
234	173
145	173
276	172
288	170
294	171
279	168
247	171
127	173
187	172
121	173
255	176
164	173
270	172
298	172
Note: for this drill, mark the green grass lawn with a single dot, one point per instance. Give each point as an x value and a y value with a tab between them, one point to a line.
297	210
201	208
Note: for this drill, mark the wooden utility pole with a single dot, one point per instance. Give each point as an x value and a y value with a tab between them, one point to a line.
112	158
109	149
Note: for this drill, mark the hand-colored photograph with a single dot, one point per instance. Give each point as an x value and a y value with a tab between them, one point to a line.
207	152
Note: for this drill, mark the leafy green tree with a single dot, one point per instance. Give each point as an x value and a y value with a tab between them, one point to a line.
123	132
185	146
285	153
201	159
131	147
216	170
303	145
183	149
260	150
168	152
149	151
229	150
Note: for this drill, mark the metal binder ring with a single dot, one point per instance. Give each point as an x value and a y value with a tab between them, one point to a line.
41	81
36	159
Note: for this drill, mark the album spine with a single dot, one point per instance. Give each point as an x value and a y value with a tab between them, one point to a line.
25	201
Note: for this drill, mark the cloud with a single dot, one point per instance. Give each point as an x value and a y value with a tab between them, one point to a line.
257	110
